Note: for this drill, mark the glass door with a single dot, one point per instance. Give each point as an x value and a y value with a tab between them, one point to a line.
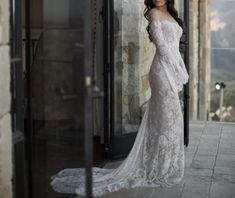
130	58
59	91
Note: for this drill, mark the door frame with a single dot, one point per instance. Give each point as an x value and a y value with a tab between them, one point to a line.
20	181
186	60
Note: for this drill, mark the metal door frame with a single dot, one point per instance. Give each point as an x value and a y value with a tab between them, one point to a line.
17	102
186	60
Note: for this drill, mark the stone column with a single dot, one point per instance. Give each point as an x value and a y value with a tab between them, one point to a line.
204	59
193	59
5	100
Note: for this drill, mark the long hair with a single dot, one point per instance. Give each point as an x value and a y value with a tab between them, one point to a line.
170	8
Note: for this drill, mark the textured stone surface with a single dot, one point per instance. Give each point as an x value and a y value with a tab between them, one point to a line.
4	21
193	59
199	59
5	156
204	58
5	100
4	80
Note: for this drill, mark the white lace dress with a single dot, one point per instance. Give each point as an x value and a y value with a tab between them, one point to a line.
157	157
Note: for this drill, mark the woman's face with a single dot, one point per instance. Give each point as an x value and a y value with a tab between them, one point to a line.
159	3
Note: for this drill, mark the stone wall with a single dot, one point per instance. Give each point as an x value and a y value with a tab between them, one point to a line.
199	59
5	99
204	59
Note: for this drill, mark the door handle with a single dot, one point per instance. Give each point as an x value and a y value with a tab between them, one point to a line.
64	95
97	93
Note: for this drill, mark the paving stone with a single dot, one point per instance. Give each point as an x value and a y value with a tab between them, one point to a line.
202	151
210	139
213	128
197	184
140	192
224	170
209	142
209	131
216	177
197	164
227	144
194	143
222	190
215	124
225	157
227	141
225	163
197	122
188	159
190	149
195	131
118	194
228	135
172	192
203	161
194	136
226	150
228	129
209	146
193	195
198	171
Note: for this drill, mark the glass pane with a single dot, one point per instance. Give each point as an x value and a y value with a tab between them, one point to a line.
132	59
133	54
58	104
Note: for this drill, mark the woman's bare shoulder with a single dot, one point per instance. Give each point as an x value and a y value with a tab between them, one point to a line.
153	14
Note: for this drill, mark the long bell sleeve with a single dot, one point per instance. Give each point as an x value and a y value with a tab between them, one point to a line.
158	38
169	52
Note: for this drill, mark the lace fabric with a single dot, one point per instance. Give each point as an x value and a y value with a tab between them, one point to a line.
157	156
166	35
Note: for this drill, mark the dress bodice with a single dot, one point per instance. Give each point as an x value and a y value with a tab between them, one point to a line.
166	36
165	31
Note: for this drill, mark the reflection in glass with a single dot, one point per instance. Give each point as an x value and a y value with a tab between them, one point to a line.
132	59
58	109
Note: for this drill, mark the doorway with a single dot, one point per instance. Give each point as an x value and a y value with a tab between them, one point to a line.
50	77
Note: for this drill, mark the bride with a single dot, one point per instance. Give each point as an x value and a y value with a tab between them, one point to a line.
157	156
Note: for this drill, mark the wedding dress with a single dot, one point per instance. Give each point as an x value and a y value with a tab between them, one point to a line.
157	156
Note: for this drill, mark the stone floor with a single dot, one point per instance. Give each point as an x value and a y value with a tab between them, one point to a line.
209	166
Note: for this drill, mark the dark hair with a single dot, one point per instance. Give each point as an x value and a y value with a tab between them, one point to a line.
170	8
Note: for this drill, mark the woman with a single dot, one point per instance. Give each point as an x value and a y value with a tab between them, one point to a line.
157	157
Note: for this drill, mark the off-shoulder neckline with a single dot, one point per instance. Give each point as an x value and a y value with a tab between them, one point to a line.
165	20
162	21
